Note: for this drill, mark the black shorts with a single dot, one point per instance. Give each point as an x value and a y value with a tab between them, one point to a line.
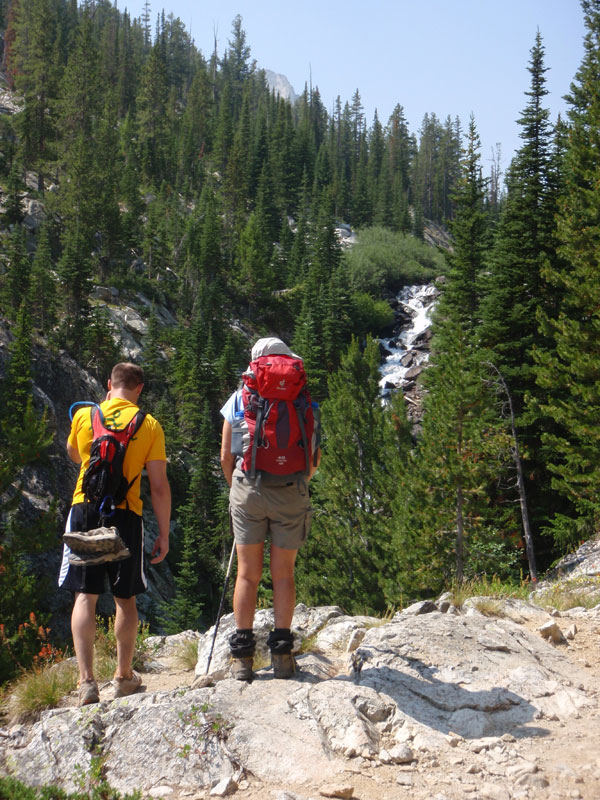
126	578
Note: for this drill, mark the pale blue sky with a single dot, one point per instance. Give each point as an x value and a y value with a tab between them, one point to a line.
443	56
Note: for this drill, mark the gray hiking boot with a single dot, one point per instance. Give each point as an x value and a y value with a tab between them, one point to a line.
241	668
88	692
123	687
284	665
96	546
96	540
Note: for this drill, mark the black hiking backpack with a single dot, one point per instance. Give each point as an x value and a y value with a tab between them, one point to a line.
104	484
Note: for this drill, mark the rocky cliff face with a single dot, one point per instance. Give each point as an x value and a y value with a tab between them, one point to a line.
437	702
280	85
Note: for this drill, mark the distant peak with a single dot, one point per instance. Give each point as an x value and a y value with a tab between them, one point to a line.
281	85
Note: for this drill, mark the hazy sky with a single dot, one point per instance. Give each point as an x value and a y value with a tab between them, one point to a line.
443	56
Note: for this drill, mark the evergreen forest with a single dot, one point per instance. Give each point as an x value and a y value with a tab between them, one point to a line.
178	175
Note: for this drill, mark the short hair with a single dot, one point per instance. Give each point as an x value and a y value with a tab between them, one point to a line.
126	375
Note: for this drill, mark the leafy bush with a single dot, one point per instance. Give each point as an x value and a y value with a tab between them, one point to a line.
386	260
24	645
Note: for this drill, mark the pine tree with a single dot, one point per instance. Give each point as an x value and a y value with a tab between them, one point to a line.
516	292
237	66
74	269
469	230
17	388
13	207
525	241
81	187
348	555
130	185
254	256
18	273
198	576
448	525
37	68
153	361
196	131
568	371
152	117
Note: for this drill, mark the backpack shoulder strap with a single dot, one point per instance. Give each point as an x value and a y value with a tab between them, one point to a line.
137	422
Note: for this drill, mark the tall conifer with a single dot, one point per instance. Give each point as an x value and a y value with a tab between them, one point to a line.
569	371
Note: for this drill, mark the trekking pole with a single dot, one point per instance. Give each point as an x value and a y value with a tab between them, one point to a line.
212	647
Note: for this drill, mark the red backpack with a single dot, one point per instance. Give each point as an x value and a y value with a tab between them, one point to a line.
104	484
278	423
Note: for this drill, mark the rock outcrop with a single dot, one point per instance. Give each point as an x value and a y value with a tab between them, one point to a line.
370	698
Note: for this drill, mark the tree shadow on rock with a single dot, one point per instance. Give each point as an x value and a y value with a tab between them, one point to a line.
446	706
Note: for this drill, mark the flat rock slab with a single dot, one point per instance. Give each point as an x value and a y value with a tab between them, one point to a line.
469	674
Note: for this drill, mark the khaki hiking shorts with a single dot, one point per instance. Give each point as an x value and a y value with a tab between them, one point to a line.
258	509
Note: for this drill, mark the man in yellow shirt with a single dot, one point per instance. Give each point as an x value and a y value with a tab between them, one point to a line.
146	450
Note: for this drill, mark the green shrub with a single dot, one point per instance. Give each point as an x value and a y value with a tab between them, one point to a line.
370	315
386	260
13	789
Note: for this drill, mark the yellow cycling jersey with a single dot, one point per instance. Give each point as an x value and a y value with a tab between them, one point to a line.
148	444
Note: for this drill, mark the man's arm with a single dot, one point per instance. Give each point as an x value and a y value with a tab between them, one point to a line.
160	492
73	453
227	457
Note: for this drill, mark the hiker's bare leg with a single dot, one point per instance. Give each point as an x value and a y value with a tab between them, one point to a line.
249	571
83	628
284	587
126	624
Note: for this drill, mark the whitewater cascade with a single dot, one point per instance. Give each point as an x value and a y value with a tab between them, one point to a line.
407	352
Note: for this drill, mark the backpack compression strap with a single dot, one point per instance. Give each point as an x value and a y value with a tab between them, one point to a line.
260	418
304	439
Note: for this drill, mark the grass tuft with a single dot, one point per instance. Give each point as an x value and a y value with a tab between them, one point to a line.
489	607
583	591
187	654
484	587
39	689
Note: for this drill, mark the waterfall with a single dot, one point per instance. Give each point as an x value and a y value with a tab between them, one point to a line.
407	352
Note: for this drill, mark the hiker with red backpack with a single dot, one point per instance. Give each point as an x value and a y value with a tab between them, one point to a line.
269	452
113	442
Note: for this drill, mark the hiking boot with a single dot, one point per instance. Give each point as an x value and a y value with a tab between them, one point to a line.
97	540
89	559
88	692
284	665
126	686
241	669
